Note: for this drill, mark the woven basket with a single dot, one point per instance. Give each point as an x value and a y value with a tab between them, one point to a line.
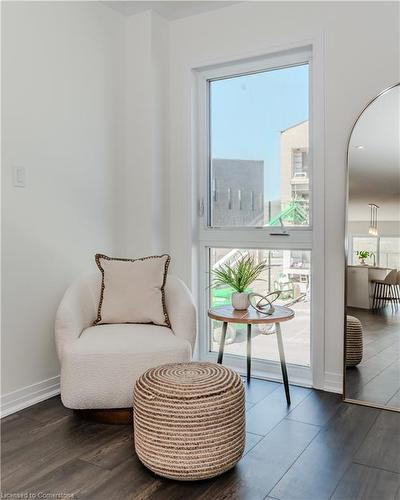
354	341
189	420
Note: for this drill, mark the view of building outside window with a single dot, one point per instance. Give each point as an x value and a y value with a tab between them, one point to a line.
237	194
259	164
288	271
295	180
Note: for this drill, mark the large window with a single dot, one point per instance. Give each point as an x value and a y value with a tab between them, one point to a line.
259	141
389	252
256	172
384	250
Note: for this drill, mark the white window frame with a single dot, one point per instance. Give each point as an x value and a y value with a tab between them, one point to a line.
301	238
258	65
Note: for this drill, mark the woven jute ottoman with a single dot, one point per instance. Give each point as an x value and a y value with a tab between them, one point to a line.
189	420
354	341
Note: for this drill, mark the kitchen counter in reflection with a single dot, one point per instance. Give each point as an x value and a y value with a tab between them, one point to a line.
360	288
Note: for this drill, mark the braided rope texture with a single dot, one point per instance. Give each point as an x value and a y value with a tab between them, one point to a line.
189	420
354	341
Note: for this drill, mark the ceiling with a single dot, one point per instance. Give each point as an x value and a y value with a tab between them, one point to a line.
374	175
170	10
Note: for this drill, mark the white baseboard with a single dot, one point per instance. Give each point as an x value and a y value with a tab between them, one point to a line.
35	393
333	382
29	395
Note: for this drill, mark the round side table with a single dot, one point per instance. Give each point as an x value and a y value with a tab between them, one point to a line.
249	317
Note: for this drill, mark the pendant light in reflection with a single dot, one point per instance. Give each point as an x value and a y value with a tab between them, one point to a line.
373	220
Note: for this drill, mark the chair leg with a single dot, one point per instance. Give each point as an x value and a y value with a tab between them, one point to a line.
385	295
379	296
388	296
374	300
393	297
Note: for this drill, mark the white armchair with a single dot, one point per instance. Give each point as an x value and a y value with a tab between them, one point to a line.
100	364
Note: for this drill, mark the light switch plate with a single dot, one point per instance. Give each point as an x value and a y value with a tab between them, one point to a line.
19	176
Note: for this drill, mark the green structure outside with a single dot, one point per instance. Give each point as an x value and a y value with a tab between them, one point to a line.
293	214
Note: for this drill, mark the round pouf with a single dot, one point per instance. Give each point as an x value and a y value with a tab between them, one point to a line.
189	420
354	341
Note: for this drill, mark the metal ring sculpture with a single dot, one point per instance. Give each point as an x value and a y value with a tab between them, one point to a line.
264	304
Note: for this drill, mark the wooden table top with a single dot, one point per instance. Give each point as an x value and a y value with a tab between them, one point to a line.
250	315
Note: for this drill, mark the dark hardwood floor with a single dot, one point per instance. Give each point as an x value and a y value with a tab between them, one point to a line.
319	448
377	378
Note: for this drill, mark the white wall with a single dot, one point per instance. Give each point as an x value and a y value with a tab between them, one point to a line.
61	95
359	42
145	194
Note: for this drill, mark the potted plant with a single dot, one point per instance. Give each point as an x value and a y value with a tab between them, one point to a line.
239	276
362	255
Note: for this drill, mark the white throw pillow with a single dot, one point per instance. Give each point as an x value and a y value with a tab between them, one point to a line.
132	290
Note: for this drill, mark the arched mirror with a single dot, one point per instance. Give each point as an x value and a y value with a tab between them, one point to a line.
372	308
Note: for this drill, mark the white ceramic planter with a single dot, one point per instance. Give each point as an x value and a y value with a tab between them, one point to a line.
240	301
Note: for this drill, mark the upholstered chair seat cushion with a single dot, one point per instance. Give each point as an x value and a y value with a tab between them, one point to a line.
100	364
98	369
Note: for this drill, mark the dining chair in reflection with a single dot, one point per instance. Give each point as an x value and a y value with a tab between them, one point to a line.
386	290
397	287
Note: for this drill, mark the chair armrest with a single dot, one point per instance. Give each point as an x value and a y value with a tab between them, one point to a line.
181	310
77	310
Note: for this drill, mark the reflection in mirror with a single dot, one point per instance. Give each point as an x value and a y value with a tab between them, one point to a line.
372	346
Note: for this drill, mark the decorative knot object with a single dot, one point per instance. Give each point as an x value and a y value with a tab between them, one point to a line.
263	303
189	420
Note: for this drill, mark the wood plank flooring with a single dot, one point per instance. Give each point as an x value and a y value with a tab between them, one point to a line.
377	378
318	448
